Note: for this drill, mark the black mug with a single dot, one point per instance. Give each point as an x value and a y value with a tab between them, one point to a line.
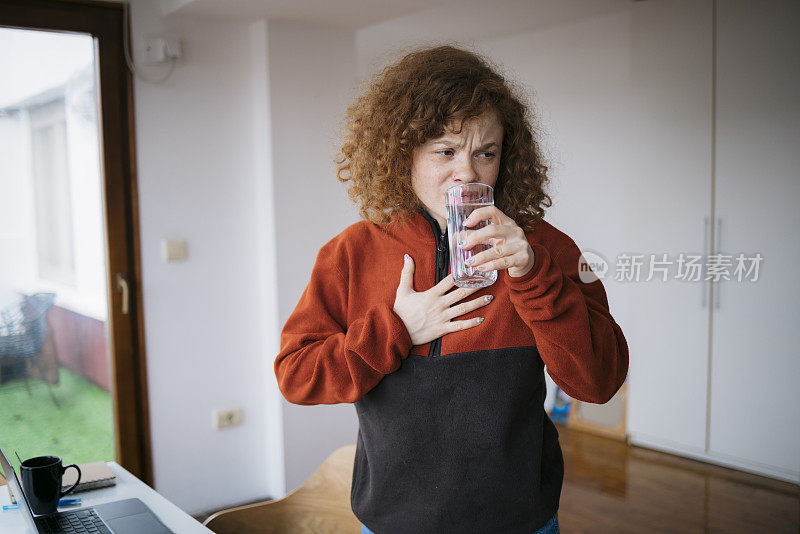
41	482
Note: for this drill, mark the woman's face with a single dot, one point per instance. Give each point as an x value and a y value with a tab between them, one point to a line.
473	155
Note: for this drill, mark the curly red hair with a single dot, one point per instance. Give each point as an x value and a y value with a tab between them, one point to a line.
419	98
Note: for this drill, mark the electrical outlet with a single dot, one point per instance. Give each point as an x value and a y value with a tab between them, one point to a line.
227	418
155	50
160	49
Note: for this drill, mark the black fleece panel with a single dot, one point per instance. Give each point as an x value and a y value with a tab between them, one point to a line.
450	444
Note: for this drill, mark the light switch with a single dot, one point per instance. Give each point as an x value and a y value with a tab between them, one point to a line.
173	250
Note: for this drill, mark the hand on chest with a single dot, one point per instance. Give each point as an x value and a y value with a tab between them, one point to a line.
375	282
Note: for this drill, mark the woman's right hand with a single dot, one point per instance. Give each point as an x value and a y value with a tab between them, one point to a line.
427	314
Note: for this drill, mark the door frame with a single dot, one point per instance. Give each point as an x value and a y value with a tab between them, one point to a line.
104	20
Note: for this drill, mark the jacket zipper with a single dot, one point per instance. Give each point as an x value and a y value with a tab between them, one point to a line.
442	266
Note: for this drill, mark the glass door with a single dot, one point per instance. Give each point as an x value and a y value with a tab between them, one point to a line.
56	393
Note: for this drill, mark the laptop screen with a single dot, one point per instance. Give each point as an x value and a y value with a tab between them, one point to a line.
16	489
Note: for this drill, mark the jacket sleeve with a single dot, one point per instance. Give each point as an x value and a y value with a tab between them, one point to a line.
325	360
583	347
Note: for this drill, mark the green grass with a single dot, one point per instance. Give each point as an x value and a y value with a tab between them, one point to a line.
79	431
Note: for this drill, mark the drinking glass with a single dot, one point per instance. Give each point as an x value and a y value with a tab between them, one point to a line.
461	201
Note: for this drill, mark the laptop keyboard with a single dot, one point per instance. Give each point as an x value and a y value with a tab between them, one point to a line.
79	521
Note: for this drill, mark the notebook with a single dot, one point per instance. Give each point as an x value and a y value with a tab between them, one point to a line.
93	475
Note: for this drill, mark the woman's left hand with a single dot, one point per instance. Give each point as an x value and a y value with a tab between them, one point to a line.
510	250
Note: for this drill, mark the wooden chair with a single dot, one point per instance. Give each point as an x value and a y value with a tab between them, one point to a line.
321	505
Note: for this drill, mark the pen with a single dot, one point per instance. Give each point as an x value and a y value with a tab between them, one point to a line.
62	502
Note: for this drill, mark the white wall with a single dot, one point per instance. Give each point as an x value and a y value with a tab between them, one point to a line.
210	323
469	22
267	256
312	71
312	74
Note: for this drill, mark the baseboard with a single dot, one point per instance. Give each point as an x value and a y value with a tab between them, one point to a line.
714	458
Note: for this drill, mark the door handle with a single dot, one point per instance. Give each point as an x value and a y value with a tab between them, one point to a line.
122	286
718	248
703	286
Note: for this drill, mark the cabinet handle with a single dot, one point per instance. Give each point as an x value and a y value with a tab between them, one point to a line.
718	248
702	274
122	285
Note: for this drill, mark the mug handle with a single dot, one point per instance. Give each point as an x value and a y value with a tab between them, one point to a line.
64	470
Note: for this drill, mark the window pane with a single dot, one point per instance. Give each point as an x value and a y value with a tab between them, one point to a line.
54	350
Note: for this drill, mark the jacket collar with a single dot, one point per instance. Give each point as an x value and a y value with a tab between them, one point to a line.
418	226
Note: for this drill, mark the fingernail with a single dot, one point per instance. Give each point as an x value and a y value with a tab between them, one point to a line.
479	320
487	298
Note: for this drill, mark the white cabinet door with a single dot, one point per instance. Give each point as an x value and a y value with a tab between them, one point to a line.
755	379
671	187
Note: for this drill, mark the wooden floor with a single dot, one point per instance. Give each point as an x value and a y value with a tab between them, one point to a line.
610	486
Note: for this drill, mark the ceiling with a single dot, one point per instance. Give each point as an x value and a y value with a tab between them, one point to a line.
342	14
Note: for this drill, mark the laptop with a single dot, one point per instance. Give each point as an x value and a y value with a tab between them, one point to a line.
129	516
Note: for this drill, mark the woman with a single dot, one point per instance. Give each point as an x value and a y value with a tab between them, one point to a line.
449	390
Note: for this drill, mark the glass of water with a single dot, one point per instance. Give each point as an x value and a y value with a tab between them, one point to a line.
461	201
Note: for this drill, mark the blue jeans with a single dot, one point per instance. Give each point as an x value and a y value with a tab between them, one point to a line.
551	527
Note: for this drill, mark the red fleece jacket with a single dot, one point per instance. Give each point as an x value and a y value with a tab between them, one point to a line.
343	336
